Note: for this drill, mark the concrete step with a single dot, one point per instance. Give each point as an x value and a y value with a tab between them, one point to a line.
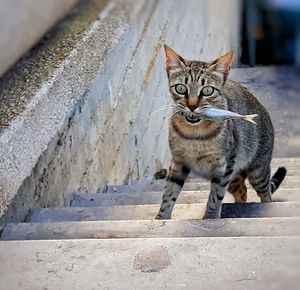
146	212
153	229
163	263
155	197
192	185
291	163
292	171
285	161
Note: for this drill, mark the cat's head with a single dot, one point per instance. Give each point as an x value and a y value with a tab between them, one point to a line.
195	85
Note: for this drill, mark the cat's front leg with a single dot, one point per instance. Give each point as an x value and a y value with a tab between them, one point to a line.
218	188
214	204
175	181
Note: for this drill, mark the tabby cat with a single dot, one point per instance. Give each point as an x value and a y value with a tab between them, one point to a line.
224	152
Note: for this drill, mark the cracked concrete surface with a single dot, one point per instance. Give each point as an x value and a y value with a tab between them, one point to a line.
186	263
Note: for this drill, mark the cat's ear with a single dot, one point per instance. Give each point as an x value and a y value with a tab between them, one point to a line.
222	64
173	60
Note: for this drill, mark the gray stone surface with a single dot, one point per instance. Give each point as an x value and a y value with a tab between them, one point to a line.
182	253
23	23
137	186
153	229
146	192
181	211
83	124
177	263
155	197
20	84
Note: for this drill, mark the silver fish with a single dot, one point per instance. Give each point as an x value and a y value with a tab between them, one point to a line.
214	113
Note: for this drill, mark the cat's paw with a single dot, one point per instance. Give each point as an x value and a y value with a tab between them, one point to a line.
160	216
211	215
265	199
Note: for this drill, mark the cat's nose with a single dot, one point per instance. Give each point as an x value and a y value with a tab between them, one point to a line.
192	107
192	103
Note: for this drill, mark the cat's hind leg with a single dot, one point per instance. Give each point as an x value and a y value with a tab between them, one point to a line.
238	188
259	178
175	181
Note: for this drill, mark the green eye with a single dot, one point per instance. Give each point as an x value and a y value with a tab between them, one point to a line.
207	91
180	89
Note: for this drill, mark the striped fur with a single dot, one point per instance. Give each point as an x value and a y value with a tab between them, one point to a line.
225	152
277	178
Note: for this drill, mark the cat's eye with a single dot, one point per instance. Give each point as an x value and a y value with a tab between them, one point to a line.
207	91
180	89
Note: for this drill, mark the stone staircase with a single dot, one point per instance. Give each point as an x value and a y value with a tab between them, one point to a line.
110	240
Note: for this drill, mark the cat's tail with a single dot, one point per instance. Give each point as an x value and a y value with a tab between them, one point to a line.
277	178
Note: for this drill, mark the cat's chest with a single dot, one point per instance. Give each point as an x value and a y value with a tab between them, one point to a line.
202	156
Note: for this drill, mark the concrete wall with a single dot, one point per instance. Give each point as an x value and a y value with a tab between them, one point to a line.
22	23
92	123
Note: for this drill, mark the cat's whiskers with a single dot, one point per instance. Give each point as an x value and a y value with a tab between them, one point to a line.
181	106
176	111
162	109
173	114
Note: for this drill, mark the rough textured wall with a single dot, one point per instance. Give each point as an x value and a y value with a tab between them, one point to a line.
23	23
92	123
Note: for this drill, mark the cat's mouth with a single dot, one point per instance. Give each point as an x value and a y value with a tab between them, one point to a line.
192	119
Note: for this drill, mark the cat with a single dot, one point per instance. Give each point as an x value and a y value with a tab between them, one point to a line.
224	152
